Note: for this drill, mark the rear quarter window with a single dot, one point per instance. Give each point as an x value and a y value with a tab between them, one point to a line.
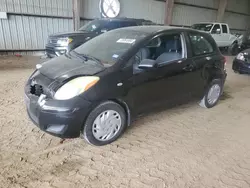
200	44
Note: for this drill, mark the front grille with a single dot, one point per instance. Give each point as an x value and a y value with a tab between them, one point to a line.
52	40
36	90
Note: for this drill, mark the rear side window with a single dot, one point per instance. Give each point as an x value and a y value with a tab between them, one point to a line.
200	44
224	29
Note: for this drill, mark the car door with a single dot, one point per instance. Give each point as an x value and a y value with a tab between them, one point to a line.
171	83
225	35
216	33
203	54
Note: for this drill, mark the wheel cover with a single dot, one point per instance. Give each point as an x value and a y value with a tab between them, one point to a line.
106	125
213	94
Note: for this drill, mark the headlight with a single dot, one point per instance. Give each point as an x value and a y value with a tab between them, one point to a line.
64	41
75	87
241	57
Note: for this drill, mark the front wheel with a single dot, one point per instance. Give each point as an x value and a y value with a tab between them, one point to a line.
104	124
212	94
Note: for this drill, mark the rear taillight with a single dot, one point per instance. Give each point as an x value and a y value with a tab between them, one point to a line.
225	60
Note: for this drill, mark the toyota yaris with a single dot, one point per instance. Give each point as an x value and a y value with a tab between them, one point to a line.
96	90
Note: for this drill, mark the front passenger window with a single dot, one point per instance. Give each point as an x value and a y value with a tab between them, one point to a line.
216	29
164	49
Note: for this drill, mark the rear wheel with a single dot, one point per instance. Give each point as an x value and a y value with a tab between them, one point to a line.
105	124
212	94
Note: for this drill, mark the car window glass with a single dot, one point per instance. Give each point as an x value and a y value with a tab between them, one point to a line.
199	44
147	23
111	25
128	24
163	50
110	46
216	29
202	27
92	26
224	29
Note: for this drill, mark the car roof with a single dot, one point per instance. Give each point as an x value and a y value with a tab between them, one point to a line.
211	23
154	29
123	19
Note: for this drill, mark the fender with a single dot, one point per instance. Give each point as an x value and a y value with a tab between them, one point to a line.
126	108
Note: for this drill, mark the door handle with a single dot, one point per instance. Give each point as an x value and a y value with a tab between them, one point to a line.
189	68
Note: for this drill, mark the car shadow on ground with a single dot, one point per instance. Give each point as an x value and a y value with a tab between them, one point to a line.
178	108
225	96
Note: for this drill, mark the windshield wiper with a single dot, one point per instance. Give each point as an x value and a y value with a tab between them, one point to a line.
88	57
93	58
80	56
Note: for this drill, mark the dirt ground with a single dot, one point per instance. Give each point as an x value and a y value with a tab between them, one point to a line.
187	146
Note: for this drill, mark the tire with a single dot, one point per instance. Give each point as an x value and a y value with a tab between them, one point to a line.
206	102
98	119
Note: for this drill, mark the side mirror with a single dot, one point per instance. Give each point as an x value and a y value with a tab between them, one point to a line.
218	31
147	64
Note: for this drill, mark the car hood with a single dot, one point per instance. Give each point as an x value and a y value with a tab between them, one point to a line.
63	67
72	34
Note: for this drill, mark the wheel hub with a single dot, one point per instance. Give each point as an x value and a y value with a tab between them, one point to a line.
214	94
106	125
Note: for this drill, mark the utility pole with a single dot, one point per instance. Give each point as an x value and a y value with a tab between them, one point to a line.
76	14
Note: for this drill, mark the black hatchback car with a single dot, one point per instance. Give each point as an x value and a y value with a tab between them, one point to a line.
97	89
61	43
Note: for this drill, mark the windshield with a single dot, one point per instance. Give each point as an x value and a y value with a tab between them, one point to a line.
92	26
202	27
110	46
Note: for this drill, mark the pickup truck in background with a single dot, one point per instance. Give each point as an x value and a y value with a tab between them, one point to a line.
221	34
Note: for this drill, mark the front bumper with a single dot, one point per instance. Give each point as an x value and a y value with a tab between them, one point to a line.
55	51
63	119
241	66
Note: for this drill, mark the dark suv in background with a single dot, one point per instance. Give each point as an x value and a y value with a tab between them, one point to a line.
245	41
60	43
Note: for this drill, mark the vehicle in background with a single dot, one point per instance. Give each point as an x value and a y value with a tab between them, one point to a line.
245	41
98	88
61	43
241	63
221	34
